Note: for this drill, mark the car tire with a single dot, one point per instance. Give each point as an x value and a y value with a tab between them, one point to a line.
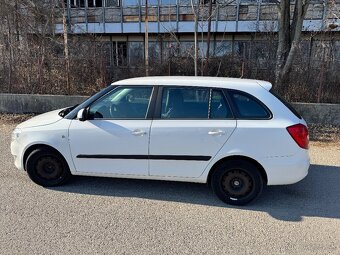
237	182
47	168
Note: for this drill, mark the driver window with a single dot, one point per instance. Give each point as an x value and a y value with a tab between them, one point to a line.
122	103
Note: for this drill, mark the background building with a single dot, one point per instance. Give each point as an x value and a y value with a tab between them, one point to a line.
235	24
106	40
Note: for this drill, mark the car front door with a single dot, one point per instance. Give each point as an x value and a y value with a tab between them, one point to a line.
192	126
115	137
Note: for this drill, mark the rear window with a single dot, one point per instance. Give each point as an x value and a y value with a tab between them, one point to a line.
247	106
288	105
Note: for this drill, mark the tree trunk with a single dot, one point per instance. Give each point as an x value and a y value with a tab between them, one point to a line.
206	67
11	57
66	49
289	37
146	46
284	39
195	36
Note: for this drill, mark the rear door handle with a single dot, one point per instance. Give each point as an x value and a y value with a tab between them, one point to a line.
216	132
138	132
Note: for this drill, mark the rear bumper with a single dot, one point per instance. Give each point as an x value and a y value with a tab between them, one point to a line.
287	170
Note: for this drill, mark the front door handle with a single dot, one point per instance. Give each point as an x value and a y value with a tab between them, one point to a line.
138	132
216	132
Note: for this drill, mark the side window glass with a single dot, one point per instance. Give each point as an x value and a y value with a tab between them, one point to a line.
122	103
219	108
185	103
247	106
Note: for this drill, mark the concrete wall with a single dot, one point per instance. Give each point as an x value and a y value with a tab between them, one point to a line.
319	113
26	103
23	103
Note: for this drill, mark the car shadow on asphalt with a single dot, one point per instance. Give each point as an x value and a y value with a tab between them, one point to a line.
318	195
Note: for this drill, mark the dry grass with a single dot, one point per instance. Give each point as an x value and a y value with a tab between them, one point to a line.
324	133
6	118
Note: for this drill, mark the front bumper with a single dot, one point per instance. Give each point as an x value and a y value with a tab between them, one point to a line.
17	154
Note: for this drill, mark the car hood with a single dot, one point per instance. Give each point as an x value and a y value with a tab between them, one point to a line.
41	120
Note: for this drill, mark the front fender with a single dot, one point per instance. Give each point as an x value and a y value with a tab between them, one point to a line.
54	135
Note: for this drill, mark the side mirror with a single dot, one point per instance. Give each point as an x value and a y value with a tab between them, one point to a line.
81	115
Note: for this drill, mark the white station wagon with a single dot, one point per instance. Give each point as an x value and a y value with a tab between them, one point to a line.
233	134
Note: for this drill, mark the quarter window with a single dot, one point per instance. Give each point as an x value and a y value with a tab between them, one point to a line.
248	107
122	103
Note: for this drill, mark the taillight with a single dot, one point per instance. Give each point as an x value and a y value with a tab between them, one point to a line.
299	132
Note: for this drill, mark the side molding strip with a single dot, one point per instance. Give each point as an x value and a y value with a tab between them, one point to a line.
153	157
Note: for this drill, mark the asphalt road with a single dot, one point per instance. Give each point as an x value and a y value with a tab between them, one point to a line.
117	216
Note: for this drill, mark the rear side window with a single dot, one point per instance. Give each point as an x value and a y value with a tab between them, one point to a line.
194	103
185	103
247	106
288	105
219	108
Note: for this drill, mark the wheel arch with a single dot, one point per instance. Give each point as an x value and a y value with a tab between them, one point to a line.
239	157
33	147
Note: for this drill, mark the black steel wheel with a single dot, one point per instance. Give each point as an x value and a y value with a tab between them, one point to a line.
47	168
236	182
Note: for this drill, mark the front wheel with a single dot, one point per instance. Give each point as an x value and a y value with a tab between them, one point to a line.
236	182
47	168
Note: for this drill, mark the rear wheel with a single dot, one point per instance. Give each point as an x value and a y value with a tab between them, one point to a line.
236	182
47	168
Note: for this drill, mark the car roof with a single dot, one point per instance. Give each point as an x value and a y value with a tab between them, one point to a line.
199	81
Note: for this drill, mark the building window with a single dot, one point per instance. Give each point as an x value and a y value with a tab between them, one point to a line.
150	2
120	53
130	3
91	3
223	48
77	3
206	2
187	49
112	3
105	52
168	2
185	2
242	49
94	3
136	53
154	52
99	3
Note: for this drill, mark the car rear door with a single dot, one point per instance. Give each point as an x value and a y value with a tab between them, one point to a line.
191	125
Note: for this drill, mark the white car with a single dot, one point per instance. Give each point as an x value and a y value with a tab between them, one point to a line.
233	134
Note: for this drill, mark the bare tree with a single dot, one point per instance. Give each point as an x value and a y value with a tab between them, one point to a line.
210	13
289	36
196	14
66	49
